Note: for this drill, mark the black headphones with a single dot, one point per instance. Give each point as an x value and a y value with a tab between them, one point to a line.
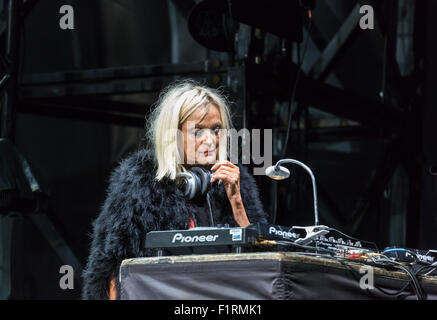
194	183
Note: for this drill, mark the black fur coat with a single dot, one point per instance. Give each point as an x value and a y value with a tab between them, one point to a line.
136	204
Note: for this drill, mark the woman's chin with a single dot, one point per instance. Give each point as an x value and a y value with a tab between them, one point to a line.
206	161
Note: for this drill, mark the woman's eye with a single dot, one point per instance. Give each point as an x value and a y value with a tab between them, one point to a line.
199	133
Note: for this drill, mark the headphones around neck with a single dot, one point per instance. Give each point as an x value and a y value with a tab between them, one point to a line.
194	183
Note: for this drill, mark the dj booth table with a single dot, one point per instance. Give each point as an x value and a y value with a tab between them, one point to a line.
254	276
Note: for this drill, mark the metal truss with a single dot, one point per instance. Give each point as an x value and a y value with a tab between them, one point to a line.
400	119
11	21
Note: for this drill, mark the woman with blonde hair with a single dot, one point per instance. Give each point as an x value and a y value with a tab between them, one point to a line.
187	129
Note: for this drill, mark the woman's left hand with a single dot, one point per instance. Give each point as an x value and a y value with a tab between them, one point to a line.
229	174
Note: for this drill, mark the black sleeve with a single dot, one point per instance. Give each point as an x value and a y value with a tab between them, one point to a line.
250	195
117	231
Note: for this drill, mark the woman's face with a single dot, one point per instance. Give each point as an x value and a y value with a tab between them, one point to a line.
201	137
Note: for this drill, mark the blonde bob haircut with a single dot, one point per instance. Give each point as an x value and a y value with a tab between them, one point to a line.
175	104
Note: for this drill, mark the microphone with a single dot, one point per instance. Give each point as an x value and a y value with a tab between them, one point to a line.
277	172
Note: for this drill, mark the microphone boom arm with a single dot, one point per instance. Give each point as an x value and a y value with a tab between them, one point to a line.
316	212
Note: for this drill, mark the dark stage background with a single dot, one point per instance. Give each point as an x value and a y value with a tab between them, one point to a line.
363	119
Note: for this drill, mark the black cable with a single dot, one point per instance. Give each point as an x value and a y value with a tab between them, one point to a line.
416	273
425	267
275	200
354	274
293	95
416	287
357	277
414	281
397	293
208	200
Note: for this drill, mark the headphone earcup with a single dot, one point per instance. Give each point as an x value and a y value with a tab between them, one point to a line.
193	183
204	178
187	183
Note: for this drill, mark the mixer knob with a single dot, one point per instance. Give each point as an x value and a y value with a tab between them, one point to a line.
358	244
340	241
349	243
331	239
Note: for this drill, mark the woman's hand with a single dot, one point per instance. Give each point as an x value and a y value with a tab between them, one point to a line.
229	174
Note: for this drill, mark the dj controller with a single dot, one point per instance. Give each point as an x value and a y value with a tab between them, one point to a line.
261	237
